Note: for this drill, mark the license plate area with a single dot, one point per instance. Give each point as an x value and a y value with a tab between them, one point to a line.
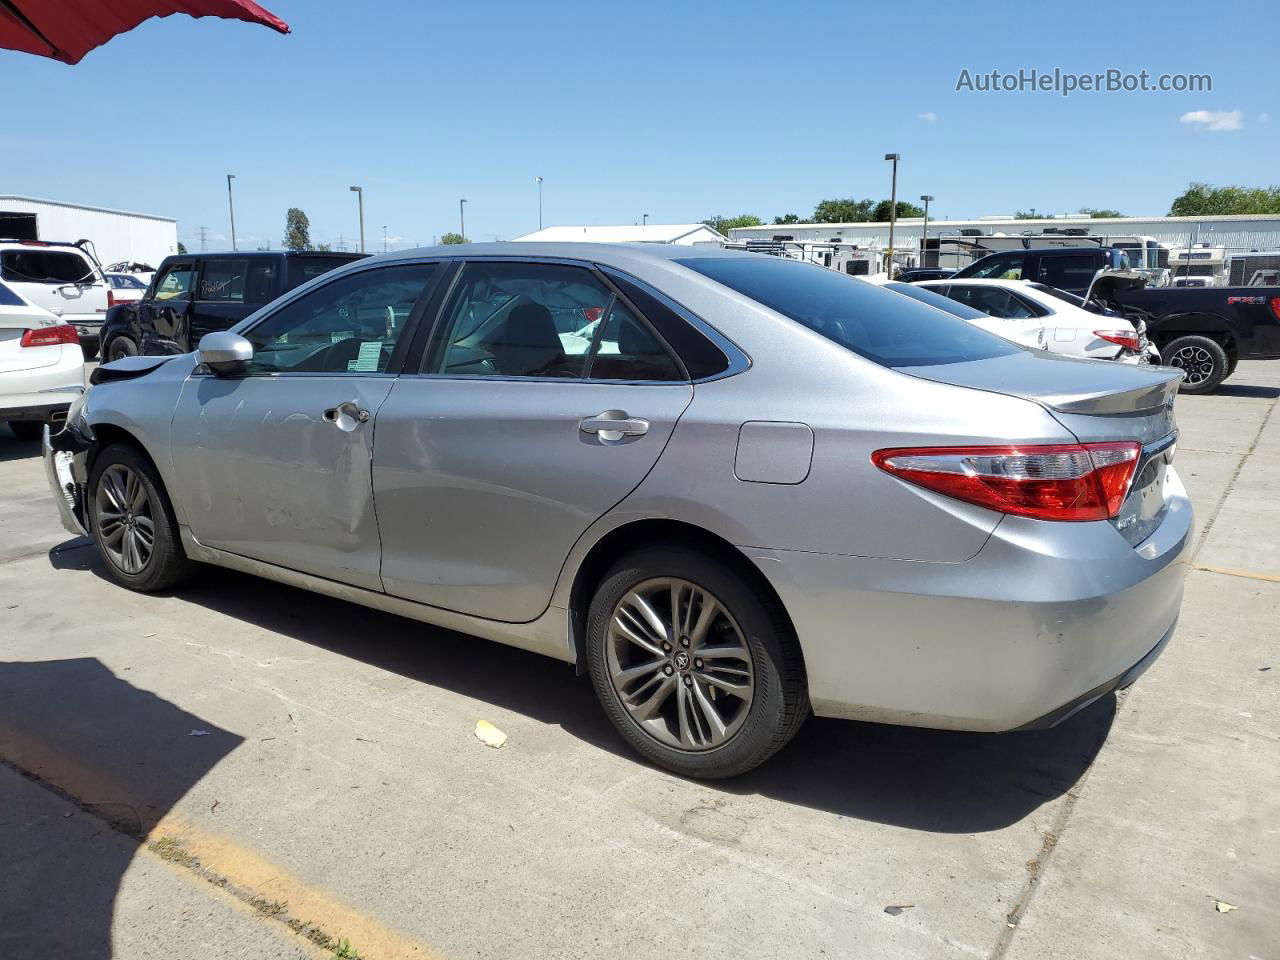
1144	508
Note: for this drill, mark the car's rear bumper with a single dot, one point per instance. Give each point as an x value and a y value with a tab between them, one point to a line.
1046	618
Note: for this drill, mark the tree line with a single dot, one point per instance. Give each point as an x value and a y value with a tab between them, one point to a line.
1198	200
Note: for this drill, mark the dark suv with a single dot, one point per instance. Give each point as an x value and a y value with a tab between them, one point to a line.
1067	268
192	295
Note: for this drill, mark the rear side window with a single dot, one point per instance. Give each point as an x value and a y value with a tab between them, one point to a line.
303	269
45	266
8	298
701	357
1073	272
992	300
934	298
224	280
878	324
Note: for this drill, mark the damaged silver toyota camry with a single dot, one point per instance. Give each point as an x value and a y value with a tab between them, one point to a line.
733	489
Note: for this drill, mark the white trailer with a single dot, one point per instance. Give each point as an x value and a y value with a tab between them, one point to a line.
114	235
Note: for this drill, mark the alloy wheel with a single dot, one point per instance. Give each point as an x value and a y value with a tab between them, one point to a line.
126	524
1195	362
680	664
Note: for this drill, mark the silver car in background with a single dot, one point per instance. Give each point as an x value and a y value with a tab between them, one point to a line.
733	489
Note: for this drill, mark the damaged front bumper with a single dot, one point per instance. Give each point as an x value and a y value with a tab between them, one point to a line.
64	467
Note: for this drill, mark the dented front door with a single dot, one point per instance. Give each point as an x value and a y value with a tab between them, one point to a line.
277	468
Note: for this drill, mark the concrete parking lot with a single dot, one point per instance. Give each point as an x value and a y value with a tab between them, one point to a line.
244	769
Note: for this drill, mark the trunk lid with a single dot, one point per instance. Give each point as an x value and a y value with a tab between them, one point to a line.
14	321
1097	400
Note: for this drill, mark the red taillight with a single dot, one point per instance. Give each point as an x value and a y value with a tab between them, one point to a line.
1078	481
111	298
1275	306
1124	338
50	336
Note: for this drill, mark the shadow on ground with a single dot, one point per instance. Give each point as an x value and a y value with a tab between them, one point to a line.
124	755
11	448
1247	390
921	779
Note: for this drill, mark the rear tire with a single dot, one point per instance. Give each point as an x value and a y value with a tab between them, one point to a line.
1203	362
88	352
132	522
707	716
27	430
119	348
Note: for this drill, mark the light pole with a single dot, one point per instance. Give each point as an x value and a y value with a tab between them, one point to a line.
926	198
462	219
893	210
232	207
645	221
359	192
384	238
539	179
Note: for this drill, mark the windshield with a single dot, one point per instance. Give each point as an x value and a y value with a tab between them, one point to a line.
880	325
933	299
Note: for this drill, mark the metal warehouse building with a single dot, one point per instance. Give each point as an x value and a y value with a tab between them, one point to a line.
116	234
1237	233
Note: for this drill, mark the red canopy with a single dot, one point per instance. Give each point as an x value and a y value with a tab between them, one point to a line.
68	29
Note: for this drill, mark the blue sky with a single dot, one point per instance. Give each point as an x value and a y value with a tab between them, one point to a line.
677	110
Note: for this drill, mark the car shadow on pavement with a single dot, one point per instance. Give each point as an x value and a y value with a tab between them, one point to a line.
921	779
1247	390
11	448
82	750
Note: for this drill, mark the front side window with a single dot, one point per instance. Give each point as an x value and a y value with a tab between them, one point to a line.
544	320
224	280
176	282
45	266
878	324
351	325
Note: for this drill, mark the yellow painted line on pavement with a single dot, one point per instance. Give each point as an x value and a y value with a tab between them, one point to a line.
275	893
1246	574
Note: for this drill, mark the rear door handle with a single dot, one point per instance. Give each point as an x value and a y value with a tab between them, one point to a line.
614	425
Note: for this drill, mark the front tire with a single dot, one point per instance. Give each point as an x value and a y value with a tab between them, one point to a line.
1203	362
698	672
132	522
120	348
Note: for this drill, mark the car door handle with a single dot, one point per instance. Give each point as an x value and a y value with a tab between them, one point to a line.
347	416
614	425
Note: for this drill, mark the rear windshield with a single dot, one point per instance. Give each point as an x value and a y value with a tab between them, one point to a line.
122	281
45	266
934	299
892	330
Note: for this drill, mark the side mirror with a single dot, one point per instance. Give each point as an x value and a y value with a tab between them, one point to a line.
225	353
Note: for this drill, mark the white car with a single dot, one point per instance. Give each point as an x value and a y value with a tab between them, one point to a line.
41	366
63	279
124	288
1069	328
1027	333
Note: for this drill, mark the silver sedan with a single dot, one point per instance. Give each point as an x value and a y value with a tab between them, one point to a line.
733	489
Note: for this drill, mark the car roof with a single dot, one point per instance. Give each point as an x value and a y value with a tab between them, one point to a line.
988	281
256	254
610	254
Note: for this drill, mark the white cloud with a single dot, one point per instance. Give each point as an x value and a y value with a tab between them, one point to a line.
1214	119
928	117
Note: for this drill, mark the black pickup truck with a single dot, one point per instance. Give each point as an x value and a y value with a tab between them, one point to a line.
1207	330
195	294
